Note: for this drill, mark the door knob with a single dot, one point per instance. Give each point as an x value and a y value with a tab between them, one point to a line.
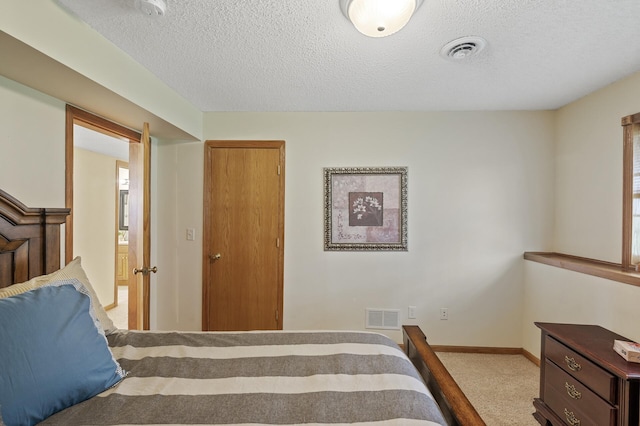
145	270
214	257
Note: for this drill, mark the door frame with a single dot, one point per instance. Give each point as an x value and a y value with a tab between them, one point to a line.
208	204
91	121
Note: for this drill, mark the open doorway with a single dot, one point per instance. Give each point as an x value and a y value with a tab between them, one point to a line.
94	200
120	313
100	225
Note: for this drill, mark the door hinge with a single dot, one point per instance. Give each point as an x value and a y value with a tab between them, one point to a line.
277	242
278	169
277	316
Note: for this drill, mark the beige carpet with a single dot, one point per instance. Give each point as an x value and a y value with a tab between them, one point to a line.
120	314
501	387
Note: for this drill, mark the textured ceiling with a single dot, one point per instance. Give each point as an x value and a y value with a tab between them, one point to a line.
303	55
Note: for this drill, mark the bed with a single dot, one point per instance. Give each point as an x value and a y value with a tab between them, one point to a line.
107	376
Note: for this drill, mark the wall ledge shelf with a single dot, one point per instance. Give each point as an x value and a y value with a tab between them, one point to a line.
598	268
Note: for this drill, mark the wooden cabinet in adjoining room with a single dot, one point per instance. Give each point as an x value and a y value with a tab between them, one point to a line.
122	264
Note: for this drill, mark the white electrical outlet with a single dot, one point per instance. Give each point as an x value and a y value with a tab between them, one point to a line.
191	234
412	312
444	313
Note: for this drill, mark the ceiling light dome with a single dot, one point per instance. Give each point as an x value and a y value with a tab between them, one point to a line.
379	18
151	7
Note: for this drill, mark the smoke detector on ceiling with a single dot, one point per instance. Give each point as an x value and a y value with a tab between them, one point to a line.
463	48
151	7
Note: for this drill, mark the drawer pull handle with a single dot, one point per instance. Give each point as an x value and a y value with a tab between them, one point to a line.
572	391
572	364
571	418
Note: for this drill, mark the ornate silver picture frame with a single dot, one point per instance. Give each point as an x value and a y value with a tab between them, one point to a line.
365	208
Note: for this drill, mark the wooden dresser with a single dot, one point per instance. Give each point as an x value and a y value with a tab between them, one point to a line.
583	382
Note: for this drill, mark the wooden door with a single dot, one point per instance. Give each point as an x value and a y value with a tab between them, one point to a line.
243	235
140	231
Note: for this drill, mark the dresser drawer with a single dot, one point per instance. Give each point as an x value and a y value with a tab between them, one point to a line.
598	380
573	401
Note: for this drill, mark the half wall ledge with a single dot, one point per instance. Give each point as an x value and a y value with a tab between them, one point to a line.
598	268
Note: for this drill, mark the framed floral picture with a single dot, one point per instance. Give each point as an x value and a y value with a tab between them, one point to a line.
365	208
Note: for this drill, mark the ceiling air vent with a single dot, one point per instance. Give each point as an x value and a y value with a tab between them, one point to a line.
463	48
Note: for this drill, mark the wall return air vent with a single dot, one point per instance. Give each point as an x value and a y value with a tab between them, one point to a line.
385	319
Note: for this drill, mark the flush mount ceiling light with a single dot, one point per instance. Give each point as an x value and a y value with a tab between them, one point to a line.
151	7
379	18
463	48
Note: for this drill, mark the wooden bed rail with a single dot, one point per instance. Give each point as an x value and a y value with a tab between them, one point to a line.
454	404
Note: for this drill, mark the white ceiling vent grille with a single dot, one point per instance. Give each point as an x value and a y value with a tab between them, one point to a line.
463	48
386	319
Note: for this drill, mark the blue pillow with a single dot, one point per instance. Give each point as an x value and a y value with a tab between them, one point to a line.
52	355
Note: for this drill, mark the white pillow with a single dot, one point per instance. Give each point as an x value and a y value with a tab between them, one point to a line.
71	271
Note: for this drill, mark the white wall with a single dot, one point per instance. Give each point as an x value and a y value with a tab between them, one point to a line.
588	219
482	189
94	219
166	288
589	171
49	28
31	145
480	194
559	295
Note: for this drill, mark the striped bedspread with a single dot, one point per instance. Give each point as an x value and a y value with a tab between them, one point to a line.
258	378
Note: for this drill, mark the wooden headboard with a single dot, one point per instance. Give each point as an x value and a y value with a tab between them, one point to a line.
29	240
